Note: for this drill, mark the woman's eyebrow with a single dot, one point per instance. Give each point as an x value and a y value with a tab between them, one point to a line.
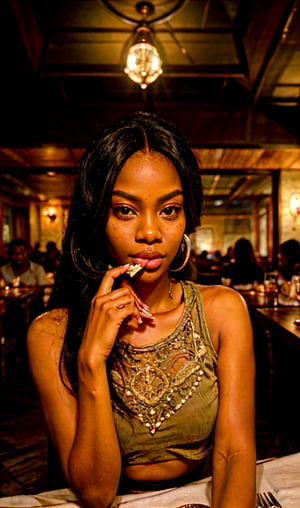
163	198
171	195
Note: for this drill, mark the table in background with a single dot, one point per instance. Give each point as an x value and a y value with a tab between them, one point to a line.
11	294
277	355
276	326
256	299
253	298
20	306
281	320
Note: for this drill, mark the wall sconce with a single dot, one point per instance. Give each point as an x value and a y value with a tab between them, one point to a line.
50	213
294	205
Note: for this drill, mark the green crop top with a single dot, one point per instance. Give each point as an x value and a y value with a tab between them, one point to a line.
165	395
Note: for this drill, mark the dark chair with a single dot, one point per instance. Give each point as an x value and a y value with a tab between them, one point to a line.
55	477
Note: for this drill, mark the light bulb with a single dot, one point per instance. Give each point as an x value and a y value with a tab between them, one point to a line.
143	63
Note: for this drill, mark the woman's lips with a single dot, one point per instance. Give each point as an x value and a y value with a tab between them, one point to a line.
149	263
153	263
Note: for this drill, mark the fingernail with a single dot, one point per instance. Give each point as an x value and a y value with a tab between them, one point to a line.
146	313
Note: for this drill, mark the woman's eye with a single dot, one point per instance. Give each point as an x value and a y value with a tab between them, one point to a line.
122	211
172	211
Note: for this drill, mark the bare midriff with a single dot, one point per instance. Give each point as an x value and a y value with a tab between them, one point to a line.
160	470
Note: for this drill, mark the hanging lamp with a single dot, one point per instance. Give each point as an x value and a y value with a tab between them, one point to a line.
143	63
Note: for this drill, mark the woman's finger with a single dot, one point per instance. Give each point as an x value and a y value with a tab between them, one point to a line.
109	279
143	307
123	297
107	284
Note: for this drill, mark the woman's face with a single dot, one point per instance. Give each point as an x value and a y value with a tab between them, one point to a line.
146	219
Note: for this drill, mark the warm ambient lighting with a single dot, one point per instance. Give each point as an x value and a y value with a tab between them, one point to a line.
143	63
50	213
294	204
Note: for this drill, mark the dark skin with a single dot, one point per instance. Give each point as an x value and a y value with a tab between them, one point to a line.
145	225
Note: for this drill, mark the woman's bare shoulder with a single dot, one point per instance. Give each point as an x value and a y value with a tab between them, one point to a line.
45	338
226	315
221	296
219	291
52	323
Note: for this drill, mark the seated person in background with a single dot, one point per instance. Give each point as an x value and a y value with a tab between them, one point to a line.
36	255
216	258
229	256
21	268
289	265
203	263
21	271
215	261
245	270
289	262
52	258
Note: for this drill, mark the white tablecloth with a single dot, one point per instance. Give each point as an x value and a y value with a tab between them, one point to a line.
281	476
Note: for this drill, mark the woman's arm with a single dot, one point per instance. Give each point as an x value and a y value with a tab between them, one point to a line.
82	429
234	452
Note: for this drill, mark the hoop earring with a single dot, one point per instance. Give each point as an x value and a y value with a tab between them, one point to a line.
187	242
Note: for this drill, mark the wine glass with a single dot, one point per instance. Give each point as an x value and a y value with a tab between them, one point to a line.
271	289
296	282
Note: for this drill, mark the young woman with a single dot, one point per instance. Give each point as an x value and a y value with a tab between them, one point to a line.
145	380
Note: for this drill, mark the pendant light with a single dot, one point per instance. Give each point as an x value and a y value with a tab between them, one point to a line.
143	64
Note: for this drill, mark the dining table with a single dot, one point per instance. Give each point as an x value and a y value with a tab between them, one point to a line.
276	333
282	320
278	475
255	298
12	294
20	299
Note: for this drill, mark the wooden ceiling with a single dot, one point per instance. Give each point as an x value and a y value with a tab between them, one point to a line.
231	83
49	172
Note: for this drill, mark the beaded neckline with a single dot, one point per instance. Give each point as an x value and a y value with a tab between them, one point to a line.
153	382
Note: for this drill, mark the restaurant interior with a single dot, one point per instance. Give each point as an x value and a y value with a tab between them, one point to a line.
230	80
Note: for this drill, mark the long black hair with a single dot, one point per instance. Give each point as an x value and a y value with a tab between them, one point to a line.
84	256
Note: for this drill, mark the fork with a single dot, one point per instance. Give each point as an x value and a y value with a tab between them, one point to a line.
267	500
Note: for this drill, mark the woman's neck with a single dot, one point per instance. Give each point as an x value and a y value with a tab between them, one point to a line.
166	308
163	296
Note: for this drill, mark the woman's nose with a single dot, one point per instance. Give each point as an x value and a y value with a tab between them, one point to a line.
148	230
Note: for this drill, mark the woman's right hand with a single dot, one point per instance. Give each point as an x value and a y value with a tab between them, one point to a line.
109	308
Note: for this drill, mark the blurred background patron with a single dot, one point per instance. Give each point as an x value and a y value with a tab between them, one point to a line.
245	270
20	270
289	259
51	258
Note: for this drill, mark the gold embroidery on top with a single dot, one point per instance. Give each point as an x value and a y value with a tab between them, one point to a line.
149	385
153	382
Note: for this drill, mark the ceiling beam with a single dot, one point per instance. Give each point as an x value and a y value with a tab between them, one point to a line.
279	35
